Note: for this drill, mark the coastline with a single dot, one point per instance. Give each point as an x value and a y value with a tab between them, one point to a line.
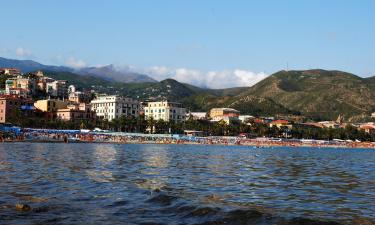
207	142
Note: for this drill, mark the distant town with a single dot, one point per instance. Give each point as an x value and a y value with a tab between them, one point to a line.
34	100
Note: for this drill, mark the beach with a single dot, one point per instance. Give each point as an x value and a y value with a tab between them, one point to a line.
74	136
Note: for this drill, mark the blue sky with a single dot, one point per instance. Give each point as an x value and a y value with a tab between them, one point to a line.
257	37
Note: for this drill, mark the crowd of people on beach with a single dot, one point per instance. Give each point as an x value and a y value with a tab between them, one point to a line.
72	136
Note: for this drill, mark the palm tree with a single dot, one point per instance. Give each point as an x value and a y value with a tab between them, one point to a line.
151	124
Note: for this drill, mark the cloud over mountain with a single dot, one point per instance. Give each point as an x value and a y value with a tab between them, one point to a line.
75	63
210	79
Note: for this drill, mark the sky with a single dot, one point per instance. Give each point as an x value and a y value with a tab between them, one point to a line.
213	43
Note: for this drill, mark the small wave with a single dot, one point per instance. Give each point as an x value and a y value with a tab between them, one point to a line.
189	213
162	199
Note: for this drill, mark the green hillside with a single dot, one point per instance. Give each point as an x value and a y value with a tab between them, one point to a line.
194	98
316	93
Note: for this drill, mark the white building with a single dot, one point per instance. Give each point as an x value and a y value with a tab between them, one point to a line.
57	88
165	110
113	106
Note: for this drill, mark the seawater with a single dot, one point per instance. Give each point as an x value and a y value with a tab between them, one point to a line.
185	184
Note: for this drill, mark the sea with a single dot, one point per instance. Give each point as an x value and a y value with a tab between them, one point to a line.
79	183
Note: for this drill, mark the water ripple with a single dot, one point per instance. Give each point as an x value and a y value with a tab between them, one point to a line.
172	184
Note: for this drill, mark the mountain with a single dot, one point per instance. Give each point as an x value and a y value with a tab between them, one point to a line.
194	98
107	72
320	94
315	93
111	73
29	65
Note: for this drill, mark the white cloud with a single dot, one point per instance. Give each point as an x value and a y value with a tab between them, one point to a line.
75	63
22	52
211	79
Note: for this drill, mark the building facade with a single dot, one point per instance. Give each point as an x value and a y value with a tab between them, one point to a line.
57	88
20	84
229	115
14	106
197	115
78	96
217	114
76	112
111	107
50	105
165	110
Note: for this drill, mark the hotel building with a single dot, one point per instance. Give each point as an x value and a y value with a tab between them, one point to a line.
111	107
165	110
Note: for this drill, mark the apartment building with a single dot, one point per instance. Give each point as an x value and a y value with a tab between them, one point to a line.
50	105
165	110
57	88
76	112
13	106
228	115
20	84
110	107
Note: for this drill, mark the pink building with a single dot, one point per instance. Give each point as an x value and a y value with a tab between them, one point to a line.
13	106
76	112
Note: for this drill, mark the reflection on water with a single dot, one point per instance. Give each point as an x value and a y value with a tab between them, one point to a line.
103	157
155	159
169	184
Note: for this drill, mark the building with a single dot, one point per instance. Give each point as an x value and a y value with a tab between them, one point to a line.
78	96
197	115
50	105
42	83
165	110
228	115
329	124
16	83
111	107
373	115
13	106
20	92
57	88
76	112
218	114
280	124
10	71
368	128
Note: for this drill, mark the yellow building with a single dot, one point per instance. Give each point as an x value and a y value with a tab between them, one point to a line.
218	114
50	105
